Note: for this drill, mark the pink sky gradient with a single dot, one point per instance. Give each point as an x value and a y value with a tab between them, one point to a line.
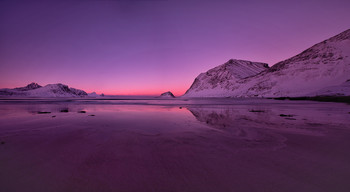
152	46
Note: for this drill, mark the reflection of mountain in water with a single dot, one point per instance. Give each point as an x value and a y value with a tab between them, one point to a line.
231	117
304	118
212	118
236	124
266	123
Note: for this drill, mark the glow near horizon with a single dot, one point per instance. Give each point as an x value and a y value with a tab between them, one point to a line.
149	47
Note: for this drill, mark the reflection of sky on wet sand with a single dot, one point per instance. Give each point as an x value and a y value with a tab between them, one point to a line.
181	145
303	117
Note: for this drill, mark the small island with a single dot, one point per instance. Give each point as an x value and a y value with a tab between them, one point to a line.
167	95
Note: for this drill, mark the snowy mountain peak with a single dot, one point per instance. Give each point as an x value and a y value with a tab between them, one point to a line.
331	50
223	76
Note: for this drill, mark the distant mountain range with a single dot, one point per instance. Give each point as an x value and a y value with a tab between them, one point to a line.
50	90
323	69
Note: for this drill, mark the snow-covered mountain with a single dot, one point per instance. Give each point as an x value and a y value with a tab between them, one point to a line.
221	80
50	90
167	95
324	66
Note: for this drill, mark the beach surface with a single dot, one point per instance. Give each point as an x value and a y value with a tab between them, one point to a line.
173	145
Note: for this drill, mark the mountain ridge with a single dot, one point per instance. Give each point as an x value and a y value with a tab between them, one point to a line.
51	90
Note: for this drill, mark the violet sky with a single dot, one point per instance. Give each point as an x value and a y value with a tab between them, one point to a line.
152	46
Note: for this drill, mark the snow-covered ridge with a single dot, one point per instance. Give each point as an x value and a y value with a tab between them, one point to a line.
50	90
30	86
325	65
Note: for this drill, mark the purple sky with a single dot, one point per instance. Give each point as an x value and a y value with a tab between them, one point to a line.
152	46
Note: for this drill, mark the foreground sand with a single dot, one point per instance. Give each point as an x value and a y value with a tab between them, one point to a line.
276	146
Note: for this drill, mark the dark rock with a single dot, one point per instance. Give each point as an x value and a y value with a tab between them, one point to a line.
92	115
283	115
43	112
64	111
167	94
2	142
81	111
54	116
257	111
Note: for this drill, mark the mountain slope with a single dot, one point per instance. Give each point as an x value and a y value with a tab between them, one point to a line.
50	90
220	80
326	64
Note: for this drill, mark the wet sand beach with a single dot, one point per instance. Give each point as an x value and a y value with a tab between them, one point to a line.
174	145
